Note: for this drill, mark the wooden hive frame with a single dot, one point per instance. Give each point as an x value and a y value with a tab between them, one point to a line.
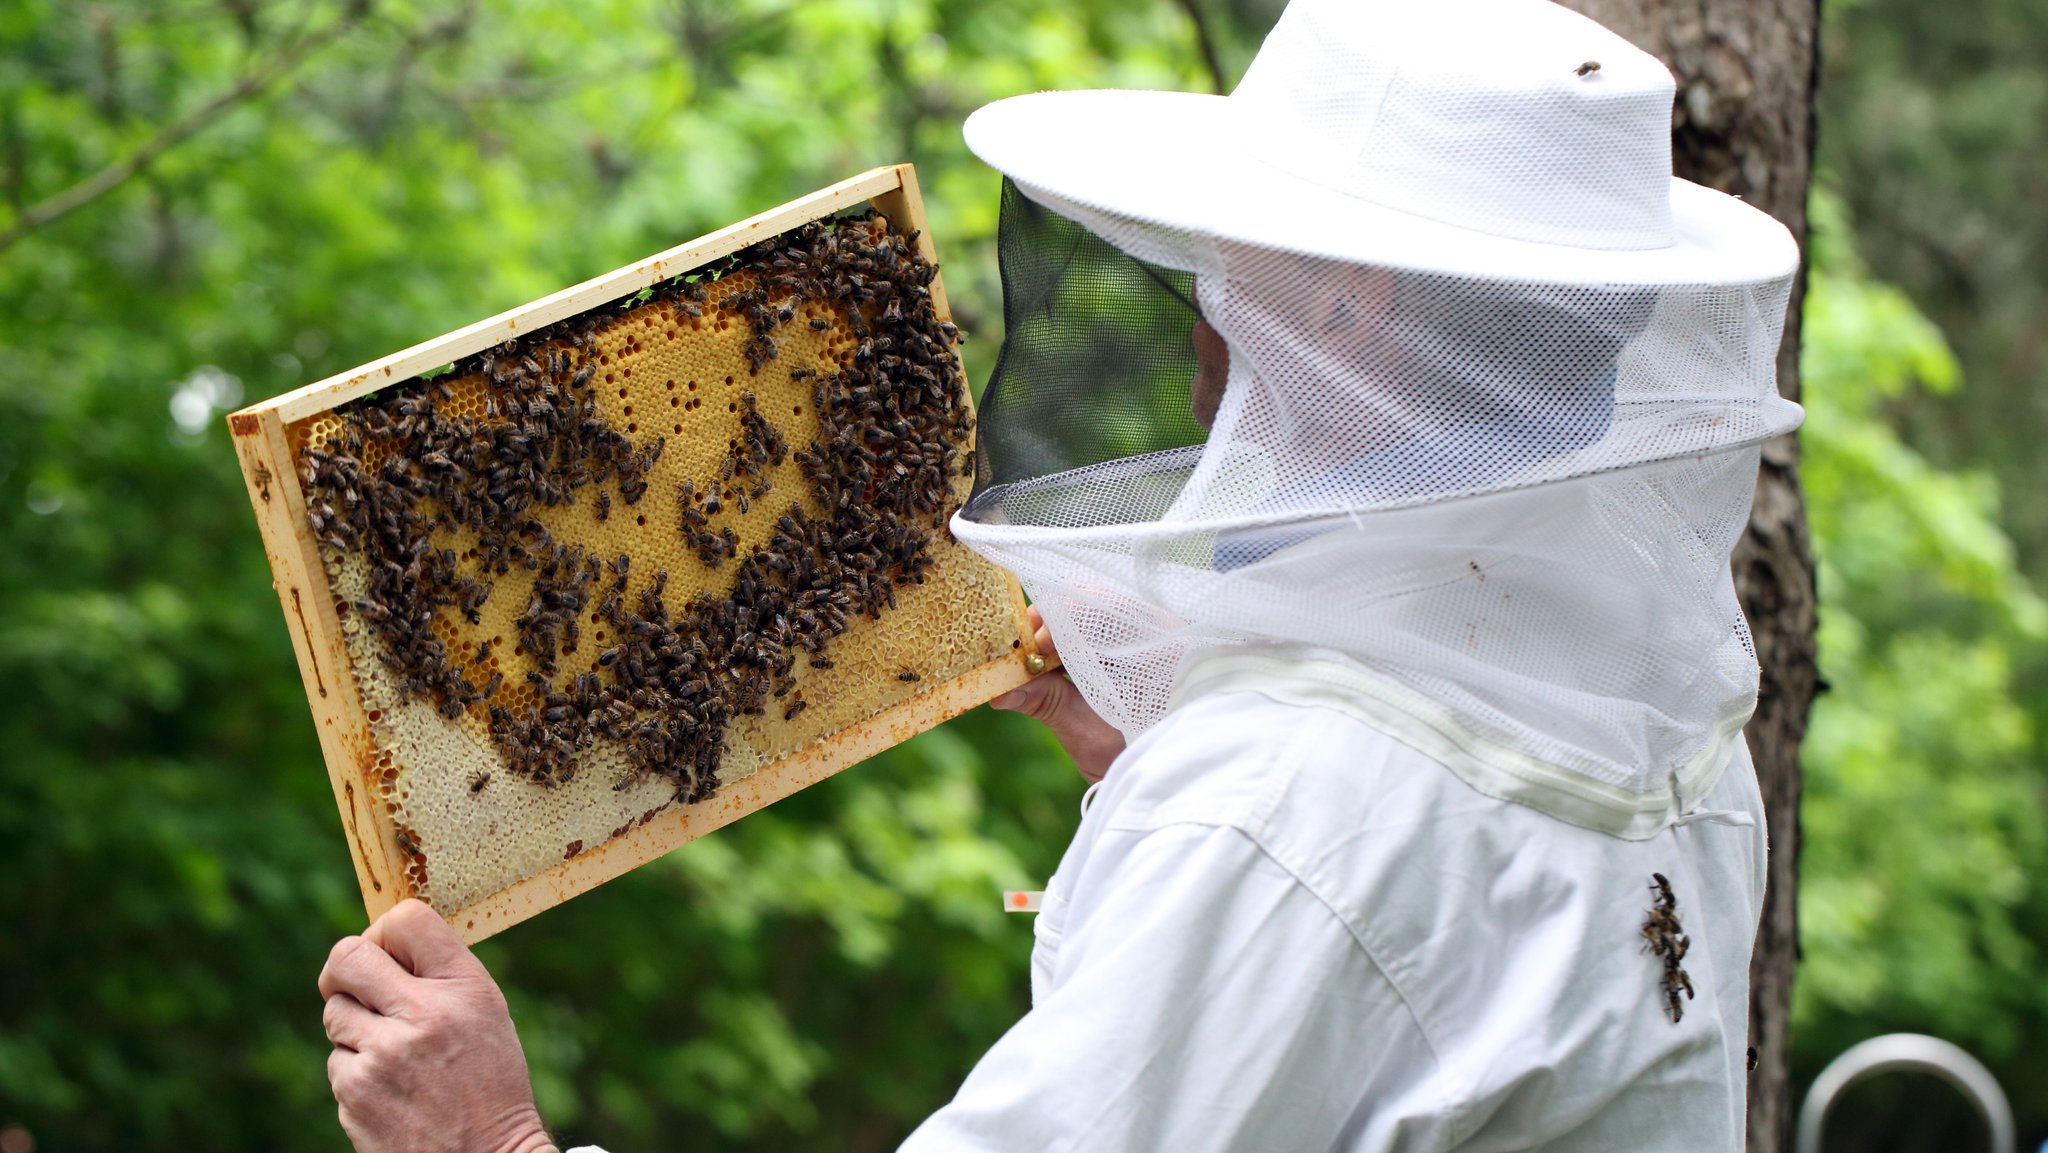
261	436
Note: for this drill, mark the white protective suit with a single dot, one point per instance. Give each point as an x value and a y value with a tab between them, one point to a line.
1427	649
1281	928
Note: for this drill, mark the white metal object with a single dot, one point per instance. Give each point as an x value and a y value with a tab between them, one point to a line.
1913	1051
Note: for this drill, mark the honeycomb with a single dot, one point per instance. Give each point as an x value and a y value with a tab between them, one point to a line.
626	561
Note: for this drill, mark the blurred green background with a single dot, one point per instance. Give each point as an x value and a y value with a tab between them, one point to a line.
357	177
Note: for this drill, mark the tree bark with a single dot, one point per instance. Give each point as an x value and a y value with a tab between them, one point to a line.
1744	124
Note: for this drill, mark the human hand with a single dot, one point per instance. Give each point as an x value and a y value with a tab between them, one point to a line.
425	1057
1053	700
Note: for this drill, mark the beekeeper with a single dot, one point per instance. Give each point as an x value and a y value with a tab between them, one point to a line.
1373	442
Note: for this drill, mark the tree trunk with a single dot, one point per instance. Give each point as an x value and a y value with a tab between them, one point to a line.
1744	124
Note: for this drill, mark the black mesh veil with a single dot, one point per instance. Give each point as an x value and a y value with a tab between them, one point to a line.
1096	359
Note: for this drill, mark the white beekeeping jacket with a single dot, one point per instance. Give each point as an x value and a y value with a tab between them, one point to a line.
1279	928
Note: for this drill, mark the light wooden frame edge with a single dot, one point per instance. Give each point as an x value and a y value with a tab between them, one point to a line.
337	390
259	433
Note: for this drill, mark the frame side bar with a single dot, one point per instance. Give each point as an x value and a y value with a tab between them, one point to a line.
310	619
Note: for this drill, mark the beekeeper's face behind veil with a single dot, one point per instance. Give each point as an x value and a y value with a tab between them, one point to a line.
1488	425
1424	379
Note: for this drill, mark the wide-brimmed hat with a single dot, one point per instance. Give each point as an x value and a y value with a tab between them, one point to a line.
1497	139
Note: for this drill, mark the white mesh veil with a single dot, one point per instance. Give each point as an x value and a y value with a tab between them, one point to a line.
1515	500
1507	501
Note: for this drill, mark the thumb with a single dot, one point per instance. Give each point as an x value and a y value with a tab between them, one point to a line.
1052	700
416	937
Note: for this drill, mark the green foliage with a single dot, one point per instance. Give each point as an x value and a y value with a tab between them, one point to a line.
1931	123
1924	810
1882	510
1930	129
821	974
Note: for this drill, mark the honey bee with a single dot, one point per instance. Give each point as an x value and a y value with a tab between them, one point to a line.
477	781
1587	69
1660	887
1666	938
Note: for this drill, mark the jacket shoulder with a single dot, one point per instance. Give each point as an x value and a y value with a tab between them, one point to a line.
1234	759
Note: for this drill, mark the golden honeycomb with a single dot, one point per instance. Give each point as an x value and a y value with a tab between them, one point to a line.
683	368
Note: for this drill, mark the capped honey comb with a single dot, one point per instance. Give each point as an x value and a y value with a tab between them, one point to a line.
620	573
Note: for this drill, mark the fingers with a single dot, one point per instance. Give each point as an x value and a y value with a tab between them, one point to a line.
367	973
416	936
1052	699
348	1024
1040	635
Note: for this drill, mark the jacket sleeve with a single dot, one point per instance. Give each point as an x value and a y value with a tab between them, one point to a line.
1203	999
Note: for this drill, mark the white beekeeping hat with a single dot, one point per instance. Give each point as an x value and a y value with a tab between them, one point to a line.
1495	386
1505	139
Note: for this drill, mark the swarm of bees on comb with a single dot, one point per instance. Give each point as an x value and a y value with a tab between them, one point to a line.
445	497
1666	939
